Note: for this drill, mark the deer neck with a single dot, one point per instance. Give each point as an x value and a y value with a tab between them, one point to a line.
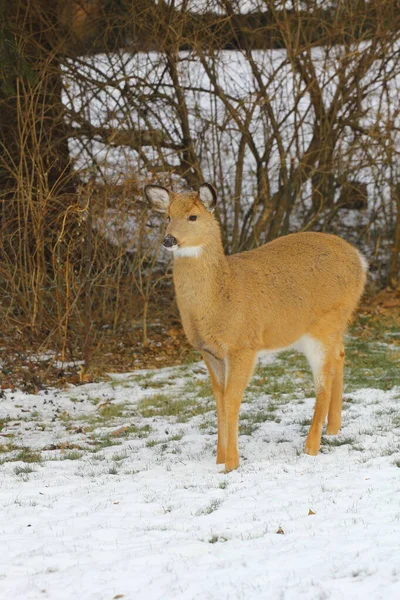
201	280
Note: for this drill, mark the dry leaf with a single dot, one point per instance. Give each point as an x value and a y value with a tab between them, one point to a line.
311	512
280	530
119	431
84	377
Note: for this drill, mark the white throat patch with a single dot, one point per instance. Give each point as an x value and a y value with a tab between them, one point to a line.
188	251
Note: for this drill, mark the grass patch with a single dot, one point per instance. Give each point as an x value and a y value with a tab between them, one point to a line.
372	356
305	422
111	411
119	457
162	405
199	388
164	441
216	538
73	455
371	364
249	422
210	508
26	455
334	442
6	448
273	386
208	425
4	421
138	431
157	384
191	357
152	443
23	470
105	441
289	374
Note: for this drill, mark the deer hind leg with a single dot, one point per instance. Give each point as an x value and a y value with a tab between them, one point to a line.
322	361
335	407
239	369
216	369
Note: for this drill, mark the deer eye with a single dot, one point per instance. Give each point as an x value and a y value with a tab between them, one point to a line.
193	218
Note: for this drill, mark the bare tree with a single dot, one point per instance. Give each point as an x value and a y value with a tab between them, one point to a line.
291	109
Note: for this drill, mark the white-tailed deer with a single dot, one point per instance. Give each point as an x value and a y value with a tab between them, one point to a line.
298	291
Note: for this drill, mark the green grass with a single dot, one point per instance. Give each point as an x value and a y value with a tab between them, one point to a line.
250	421
334	442
164	441
129	431
3	422
200	388
208	424
28	456
371	365
289	374
72	455
161	405
120	456
105	441
372	359
6	448
111	411
145	381
372	354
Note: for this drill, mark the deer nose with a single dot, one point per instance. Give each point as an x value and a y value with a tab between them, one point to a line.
170	241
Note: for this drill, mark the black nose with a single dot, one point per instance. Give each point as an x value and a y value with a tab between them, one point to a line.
170	241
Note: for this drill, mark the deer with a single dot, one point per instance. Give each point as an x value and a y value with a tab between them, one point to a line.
298	291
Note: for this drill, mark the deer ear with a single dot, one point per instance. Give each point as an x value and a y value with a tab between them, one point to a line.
208	196
158	197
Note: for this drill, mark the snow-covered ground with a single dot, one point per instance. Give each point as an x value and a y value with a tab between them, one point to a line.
110	490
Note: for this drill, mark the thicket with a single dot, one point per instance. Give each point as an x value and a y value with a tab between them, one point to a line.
291	109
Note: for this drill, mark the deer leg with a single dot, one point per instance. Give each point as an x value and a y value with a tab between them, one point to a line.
335	407
216	369
323	386
239	369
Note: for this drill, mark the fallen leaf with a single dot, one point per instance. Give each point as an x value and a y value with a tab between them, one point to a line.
119	431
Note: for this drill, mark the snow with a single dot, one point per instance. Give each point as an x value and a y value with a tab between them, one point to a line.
154	518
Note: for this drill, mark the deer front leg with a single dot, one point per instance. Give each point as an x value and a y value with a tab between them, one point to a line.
239	369
216	369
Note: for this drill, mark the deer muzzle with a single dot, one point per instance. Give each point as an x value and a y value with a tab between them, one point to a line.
170	241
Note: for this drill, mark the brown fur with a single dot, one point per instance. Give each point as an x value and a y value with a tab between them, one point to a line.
304	284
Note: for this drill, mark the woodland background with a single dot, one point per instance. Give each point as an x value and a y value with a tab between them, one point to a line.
291	109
